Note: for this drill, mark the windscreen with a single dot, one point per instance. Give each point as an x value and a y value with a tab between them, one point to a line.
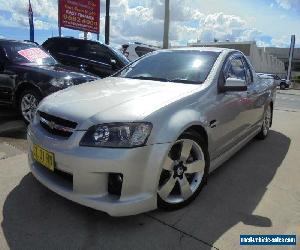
188	66
23	53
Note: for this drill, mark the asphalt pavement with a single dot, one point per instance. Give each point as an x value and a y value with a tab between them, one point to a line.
256	192
288	101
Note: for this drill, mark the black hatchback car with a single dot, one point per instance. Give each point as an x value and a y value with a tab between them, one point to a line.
28	73
91	56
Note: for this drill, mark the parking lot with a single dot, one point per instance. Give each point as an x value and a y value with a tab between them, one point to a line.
255	192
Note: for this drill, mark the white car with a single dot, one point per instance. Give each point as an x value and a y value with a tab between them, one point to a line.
135	50
150	135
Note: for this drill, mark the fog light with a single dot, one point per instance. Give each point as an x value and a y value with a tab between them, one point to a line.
115	181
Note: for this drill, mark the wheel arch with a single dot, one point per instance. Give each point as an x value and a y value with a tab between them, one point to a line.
23	86
200	130
169	126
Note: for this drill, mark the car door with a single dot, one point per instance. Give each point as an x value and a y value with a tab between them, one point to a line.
256	96
6	80
228	120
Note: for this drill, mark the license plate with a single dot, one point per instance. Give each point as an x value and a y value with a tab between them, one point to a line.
44	157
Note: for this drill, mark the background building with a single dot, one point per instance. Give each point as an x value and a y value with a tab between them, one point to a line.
262	59
283	55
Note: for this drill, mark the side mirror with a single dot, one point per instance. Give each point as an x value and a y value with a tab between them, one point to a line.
234	84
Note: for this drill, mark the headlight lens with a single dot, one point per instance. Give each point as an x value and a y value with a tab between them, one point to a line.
62	82
117	135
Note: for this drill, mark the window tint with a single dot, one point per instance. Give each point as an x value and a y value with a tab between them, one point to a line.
73	47
97	52
235	69
141	51
54	45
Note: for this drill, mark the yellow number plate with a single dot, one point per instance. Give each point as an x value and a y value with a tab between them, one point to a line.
44	157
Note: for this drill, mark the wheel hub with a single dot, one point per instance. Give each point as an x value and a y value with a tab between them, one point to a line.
179	170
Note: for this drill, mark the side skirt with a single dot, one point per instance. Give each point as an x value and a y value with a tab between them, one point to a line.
224	157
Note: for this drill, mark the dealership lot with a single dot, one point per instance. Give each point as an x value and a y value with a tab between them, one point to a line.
255	192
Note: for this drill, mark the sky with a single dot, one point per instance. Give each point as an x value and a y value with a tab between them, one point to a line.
268	22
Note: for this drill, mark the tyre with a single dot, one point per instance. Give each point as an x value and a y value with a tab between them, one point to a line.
282	86
28	102
267	121
184	172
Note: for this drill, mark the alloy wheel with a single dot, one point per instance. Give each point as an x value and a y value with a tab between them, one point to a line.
29	105
267	121
182	172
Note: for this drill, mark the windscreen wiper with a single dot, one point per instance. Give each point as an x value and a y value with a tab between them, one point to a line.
150	78
185	81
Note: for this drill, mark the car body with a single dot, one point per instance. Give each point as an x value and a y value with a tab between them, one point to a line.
92	56
284	84
26	70
136	50
275	77
124	133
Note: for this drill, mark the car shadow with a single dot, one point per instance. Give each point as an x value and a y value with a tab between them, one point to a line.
11	123
36	218
233	192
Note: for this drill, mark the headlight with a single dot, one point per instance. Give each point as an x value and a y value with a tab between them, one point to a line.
62	82
117	135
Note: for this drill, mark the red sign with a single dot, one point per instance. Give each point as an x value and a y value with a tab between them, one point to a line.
33	54
81	15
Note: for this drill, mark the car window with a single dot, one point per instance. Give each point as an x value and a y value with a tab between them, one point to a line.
249	76
119	55
95	51
141	51
235	69
27	53
180	66
74	47
51	45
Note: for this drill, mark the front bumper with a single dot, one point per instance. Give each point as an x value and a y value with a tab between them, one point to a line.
89	169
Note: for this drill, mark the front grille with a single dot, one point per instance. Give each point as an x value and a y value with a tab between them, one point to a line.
57	126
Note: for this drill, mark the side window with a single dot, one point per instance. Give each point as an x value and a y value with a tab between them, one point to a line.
249	76
235	69
55	46
98	53
73	47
